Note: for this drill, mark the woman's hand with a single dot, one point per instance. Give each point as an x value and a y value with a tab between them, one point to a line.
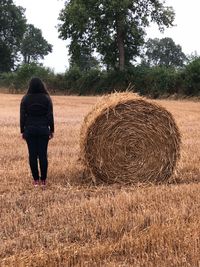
22	135
51	136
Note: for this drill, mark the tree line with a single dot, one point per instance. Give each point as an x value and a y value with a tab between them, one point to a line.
20	42
154	81
107	47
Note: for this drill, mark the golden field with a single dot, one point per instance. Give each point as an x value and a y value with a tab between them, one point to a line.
71	223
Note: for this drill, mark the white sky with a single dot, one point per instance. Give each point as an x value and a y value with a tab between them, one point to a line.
44	13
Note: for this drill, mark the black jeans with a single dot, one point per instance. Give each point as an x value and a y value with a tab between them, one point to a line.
37	147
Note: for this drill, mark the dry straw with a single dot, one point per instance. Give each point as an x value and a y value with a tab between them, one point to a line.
126	139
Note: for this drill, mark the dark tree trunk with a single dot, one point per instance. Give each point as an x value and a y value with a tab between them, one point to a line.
26	59
120	43
29	59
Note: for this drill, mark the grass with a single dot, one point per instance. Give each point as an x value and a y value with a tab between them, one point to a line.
74	224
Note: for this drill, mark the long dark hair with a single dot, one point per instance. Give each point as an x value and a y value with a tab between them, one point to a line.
36	86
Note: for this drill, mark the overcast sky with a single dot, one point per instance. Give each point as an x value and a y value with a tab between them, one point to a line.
44	13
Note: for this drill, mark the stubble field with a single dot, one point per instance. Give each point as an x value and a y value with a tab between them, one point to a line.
72	223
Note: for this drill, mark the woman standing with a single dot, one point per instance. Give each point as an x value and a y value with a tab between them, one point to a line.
37	127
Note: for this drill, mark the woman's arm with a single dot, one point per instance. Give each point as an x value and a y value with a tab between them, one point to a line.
22	115
50	116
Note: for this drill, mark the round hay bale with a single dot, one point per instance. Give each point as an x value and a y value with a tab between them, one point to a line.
126	139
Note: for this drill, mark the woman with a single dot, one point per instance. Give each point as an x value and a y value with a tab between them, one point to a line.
37	127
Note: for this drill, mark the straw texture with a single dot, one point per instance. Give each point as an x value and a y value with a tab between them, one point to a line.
126	139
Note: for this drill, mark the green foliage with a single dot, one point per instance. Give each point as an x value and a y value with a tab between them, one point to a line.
72	78
163	52
56	83
191	78
115	29
7	79
154	82
88	82
82	82
12	27
18	38
34	46
26	72
113	80
6	58
83	59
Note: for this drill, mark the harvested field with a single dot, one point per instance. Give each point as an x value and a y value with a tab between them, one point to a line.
74	224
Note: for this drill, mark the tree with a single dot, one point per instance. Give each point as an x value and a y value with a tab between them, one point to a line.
12	27
192	56
164	52
114	28
82	58
191	78
34	46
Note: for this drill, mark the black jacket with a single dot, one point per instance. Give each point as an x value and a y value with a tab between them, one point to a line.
36	110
